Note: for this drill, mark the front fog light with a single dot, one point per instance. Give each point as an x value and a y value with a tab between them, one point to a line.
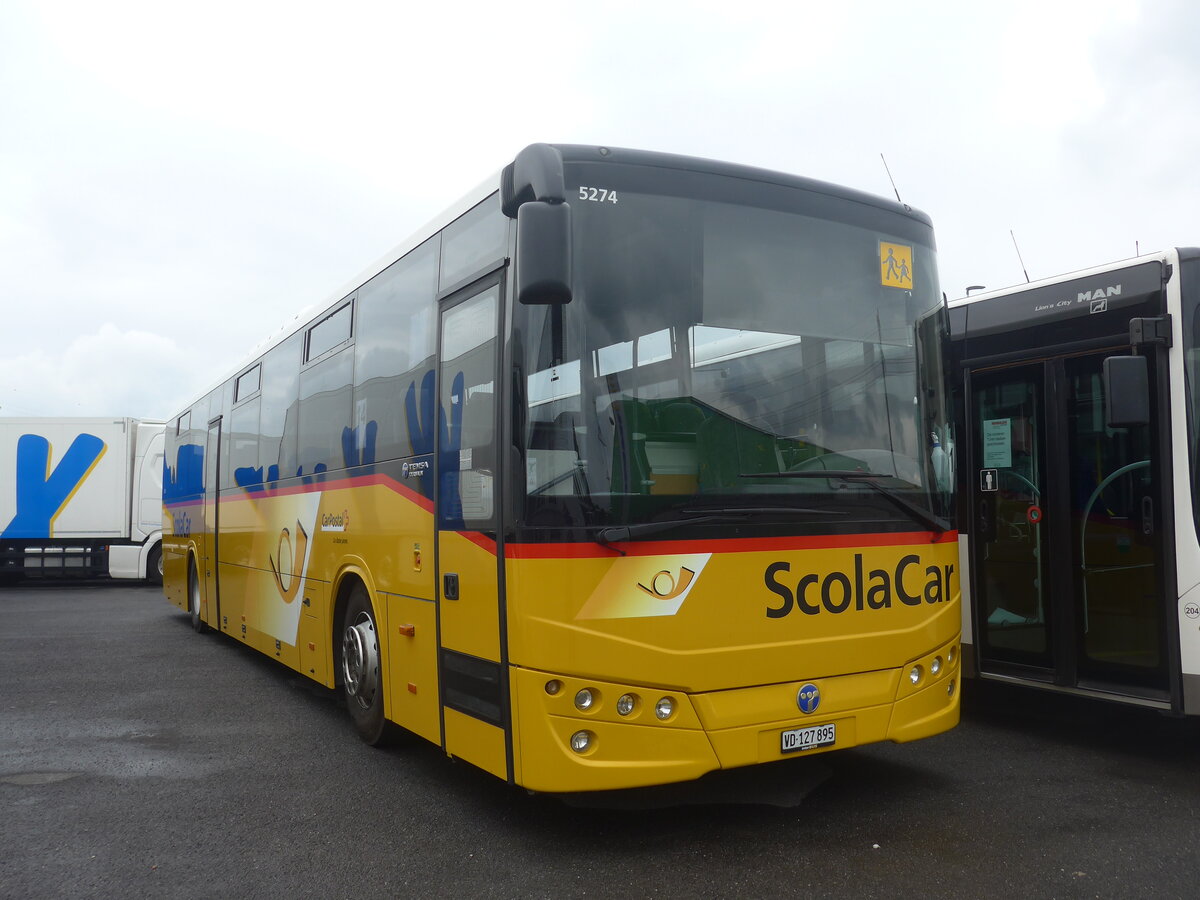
935	667
584	700
664	708
915	674
625	704
581	741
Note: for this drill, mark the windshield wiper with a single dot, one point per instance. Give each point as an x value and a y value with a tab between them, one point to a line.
871	479
613	533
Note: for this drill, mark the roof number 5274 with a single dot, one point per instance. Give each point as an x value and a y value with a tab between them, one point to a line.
597	195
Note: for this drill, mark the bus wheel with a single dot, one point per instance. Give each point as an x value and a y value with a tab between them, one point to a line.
360	667
198	625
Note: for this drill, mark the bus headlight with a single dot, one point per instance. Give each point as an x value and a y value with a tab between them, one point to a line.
664	708
915	674
581	741
626	704
584	700
553	686
935	667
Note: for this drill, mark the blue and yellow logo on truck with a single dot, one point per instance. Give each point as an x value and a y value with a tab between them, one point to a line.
43	493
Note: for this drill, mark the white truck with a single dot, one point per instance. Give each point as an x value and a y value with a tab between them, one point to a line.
80	497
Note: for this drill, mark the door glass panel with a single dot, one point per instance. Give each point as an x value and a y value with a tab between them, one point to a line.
212	523
468	411
1011	538
1114	528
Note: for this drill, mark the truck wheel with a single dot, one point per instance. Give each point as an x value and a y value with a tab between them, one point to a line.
360	667
154	573
198	625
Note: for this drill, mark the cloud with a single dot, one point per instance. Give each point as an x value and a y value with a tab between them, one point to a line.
202	176
108	373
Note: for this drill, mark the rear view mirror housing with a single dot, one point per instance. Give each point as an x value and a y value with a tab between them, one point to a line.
533	192
1126	391
544	253
535	174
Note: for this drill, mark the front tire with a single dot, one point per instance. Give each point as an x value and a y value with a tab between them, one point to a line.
198	625
360	669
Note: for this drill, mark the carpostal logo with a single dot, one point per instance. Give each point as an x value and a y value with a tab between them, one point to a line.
292	550
666	585
646	586
910	582
336	521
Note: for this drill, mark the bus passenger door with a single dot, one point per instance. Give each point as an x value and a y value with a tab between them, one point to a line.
473	656
209	567
1067	532
1012	589
1117	514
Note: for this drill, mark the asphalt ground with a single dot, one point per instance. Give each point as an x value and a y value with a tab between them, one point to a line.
138	759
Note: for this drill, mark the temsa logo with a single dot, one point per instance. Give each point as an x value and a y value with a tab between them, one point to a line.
666	586
836	592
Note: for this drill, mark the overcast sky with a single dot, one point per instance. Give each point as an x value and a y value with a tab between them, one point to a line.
177	181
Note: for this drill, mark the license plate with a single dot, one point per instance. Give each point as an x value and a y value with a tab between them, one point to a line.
808	738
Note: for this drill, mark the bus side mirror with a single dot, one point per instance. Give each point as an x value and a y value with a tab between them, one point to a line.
544	253
1126	391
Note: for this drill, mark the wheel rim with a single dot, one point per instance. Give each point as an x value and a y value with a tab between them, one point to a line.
360	660
159	565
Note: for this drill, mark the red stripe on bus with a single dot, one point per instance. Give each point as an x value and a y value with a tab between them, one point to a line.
727	545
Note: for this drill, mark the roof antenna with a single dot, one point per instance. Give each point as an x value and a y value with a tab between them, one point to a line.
891	179
1018	249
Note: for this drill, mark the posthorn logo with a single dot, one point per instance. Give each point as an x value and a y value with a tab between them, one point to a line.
666	586
808	698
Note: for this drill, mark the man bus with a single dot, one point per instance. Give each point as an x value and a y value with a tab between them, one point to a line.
1078	466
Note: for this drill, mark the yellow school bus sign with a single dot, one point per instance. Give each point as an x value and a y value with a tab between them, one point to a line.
895	265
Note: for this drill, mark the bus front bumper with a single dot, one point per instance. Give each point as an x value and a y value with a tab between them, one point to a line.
616	736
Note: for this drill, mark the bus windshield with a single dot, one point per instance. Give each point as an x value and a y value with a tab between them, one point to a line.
734	345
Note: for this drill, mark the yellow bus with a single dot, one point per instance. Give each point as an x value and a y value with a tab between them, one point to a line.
625	469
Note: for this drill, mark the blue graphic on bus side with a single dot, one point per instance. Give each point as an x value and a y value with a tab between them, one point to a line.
420	426
42	494
451	433
356	453
184	480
